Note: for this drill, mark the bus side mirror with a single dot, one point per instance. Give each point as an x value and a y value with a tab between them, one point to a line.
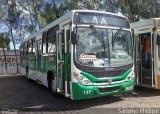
73	38
158	39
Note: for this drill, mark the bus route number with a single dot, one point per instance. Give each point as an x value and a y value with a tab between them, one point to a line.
87	92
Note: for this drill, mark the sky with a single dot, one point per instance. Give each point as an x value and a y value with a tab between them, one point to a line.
3	28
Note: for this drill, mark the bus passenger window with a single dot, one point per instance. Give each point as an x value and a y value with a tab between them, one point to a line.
26	48
51	41
21	53
44	41
21	50
39	48
159	51
30	47
68	38
34	44
158	43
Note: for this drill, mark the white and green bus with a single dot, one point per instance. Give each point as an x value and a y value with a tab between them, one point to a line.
83	54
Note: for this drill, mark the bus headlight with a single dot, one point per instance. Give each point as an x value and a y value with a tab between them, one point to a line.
82	79
130	76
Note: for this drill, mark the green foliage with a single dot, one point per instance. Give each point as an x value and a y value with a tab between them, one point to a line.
1	13
28	16
93	4
4	40
52	11
139	9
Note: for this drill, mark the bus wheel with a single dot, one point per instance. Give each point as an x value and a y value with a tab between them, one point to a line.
53	85
27	74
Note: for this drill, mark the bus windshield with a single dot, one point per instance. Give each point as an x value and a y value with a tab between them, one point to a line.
89	50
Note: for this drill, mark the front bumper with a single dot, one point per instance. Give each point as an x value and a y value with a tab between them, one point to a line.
85	92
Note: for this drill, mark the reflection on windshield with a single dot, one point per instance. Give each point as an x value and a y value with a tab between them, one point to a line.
90	52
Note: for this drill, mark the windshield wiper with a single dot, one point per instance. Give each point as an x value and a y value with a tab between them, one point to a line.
115	35
98	36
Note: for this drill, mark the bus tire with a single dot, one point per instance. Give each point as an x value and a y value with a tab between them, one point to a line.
54	88
53	85
27	74
51	81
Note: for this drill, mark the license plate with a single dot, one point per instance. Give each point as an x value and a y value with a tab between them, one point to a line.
129	87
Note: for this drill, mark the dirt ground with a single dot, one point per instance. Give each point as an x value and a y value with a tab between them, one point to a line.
16	93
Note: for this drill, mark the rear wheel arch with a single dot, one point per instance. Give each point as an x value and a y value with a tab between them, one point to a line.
27	74
50	75
27	70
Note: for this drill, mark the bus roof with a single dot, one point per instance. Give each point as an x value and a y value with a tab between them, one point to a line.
68	15
144	26
96	11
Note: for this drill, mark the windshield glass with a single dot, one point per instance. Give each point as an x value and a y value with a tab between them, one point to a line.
90	49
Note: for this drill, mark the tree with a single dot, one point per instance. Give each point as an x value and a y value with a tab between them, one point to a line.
4	43
4	40
110	6
51	11
92	4
138	9
12	18
1	13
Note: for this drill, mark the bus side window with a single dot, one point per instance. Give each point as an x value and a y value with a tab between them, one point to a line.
44	41
25	48
158	43
39	48
30	47
159	51
33	46
51	41
21	53
21	48
68	39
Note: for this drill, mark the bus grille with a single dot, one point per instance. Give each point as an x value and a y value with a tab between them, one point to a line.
108	89
104	74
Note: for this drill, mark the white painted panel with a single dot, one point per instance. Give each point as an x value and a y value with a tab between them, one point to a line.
10	61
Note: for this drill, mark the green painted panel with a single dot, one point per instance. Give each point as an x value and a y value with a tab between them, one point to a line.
82	92
67	67
32	62
48	63
85	92
24	61
39	63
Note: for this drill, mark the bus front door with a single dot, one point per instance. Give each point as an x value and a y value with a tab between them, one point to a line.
60	61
